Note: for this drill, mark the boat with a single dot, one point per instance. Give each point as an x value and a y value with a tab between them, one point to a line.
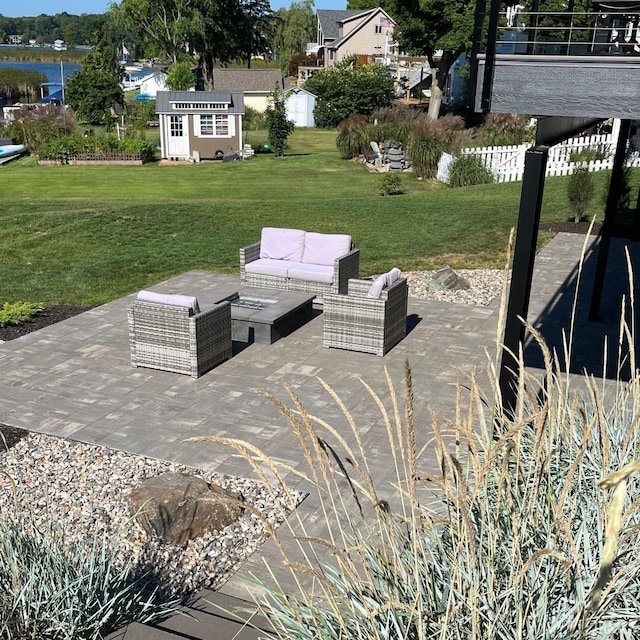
52	93
9	151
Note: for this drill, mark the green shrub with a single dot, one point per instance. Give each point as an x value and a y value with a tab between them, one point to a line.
504	129
429	140
468	170
253	120
63	147
590	154
13	313
36	127
48	591
389	184
580	191
352	137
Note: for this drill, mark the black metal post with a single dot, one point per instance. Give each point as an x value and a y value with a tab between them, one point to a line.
608	224
490	56
478	27
522	270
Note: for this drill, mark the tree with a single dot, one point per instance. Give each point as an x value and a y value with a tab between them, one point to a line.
344	90
181	77
257	22
219	35
293	28
279	127
427	26
94	90
167	26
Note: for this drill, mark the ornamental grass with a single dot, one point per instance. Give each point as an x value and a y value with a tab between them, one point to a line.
500	525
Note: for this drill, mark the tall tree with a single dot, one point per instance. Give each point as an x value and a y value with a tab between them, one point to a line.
293	29
427	26
95	89
257	22
218	36
166	25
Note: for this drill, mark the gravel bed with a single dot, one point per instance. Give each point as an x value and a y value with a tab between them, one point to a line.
484	286
43	478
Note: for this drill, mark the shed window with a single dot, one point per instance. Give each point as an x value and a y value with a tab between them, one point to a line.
175	126
215	126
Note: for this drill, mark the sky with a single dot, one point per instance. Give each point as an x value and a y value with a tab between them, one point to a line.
13	9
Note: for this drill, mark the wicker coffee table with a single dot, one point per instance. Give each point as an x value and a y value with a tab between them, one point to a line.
266	315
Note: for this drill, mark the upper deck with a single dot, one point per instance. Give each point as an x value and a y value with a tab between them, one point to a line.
561	64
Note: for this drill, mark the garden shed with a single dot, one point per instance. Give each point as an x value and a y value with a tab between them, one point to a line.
202	125
299	105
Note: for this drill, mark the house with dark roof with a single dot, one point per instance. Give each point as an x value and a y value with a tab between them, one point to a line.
254	84
363	33
201	125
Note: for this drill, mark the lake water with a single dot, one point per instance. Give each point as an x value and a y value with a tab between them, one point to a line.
51	70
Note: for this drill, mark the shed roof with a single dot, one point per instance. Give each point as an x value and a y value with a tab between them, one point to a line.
247	80
166	99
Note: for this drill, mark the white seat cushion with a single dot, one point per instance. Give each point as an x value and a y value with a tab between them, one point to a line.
384	281
325	248
175	299
282	244
269	267
312	273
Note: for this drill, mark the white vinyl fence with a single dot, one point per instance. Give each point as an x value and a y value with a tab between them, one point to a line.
507	163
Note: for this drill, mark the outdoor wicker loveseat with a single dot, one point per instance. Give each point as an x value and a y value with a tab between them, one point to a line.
296	260
169	332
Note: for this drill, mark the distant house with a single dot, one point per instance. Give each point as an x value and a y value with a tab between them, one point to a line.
299	105
14	39
202	125
255	84
151	84
59	45
348	32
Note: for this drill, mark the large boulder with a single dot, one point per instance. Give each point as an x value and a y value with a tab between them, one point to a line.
176	507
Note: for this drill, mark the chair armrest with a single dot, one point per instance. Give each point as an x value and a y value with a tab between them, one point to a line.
361	288
249	254
218	311
344	268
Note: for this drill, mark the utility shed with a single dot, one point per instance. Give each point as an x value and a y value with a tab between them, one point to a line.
299	105
202	125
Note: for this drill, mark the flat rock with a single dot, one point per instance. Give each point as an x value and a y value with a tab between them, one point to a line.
446	279
177	507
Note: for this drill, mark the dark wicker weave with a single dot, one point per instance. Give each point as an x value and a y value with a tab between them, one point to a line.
345	267
166	337
359	323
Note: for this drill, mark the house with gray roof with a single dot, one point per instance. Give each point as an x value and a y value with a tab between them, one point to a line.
368	33
201	125
254	84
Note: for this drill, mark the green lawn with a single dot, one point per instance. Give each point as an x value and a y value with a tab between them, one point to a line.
86	235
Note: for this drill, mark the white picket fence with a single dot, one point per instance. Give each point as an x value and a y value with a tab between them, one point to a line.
507	163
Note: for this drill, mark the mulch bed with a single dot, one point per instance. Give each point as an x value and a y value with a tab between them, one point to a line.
10	435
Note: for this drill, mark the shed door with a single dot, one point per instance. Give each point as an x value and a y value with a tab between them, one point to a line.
178	137
299	115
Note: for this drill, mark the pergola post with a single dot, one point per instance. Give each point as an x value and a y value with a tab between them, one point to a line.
611	208
522	271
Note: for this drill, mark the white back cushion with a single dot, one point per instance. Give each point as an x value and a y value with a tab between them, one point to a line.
384	281
175	299
281	244
325	248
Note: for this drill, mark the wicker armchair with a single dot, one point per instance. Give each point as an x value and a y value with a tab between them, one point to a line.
167	337
359	323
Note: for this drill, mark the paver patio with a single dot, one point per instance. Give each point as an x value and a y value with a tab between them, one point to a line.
74	379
